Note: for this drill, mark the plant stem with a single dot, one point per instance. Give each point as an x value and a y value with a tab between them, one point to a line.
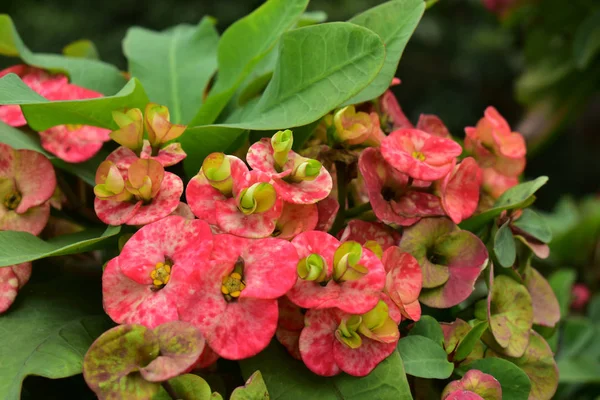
356	211
342	187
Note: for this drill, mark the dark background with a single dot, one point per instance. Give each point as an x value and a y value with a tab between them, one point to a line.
460	60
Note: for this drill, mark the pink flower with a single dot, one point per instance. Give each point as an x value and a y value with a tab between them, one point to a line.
334	341
459	190
364	232
288	181
149	282
234	302
328	209
494	145
581	296
494	183
403	281
289	326
433	125
27	182
393	201
295	219
419	154
71	143
357	128
332	274
12	278
392	116
170	155
243	203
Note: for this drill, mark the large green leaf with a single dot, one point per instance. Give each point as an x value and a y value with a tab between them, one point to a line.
504	246
534	225
395	22
82	49
514	381
241	48
91	74
424	358
288	379
471	339
42	114
428	327
175	65
47	332
516	197
18	247
586	43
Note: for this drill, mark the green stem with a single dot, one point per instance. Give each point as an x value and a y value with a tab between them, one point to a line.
342	187
358	210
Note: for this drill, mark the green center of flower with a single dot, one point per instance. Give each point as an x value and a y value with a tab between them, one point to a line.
375	324
12	200
217	170
233	284
161	274
312	268
346	265
258	198
347	331
418	155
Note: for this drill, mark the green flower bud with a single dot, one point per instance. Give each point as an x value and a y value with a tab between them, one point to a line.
157	123
312	268
306	170
374	247
258	198
217	170
144	178
131	132
282	144
345	262
110	183
377	324
347	332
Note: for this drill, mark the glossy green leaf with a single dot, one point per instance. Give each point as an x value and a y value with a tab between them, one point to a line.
47	332
287	378
534	225
82	49
42	114
504	246
561	283
18	247
468	343
424	358
190	387
91	74
516	197
586	43
395	22
428	327
175	65
514	381
311	18
241	48
254	389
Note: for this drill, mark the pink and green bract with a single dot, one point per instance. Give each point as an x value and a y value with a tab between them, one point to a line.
403	281
364	231
234	299
149	282
12	279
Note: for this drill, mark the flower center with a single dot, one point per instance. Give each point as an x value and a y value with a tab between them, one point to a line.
12	200
233	284
160	275
388	193
418	155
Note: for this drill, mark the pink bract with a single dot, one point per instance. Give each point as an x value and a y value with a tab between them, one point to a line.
295	219
129	294
403	281
325	355
393	116
260	157
459	190
419	154
12	278
355	296
113	212
433	125
243	326
363	231
328	209
494	183
474	382
27	182
289	326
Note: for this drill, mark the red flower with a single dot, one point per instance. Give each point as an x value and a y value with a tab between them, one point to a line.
459	190
403	281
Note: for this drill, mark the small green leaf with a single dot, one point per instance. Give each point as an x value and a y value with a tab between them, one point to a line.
81	49
311	18
42	114
428	327
191	387
18	247
467	344
92	74
533	224
254	389
175	65
394	22
516	197
514	381
504	246
586	43
581	370
561	283
424	358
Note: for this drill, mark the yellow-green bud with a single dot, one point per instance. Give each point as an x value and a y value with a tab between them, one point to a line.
217	170
258	198
312	268
282	144
131	128
377	324
157	123
306	170
345	262
347	332
144	178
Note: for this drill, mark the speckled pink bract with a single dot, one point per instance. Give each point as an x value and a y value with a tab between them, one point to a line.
12	278
325	355
260	157
437	153
355	296
129	296
364	231
289	326
31	175
403	281
433	125
244	326
136	212
459	190
295	219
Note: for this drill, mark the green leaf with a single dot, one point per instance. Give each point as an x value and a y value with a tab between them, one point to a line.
561	283
424	358
42	114
504	246
288	379
311	18
18	247
175	65
394	22
514	381
467	344
82	49
586	43
254	389
578	338
583	370
533	224
517	197
91	74
190	387
242	46
47	332
428	327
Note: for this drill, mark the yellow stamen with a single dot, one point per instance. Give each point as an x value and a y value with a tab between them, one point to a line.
232	286
160	275
12	200
418	155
